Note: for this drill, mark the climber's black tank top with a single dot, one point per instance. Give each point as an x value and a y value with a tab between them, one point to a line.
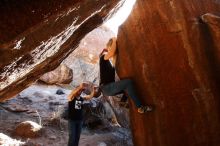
107	71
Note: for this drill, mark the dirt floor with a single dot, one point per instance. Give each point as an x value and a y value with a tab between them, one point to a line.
41	104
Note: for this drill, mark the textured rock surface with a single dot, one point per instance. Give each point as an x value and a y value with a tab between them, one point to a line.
61	75
28	129
172	57
213	22
37	35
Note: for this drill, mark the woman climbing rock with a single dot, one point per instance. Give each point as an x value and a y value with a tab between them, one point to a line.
108	86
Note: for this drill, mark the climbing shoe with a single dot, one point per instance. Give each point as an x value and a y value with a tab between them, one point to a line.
144	109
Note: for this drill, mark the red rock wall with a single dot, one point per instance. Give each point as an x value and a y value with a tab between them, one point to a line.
17	16
173	57
35	36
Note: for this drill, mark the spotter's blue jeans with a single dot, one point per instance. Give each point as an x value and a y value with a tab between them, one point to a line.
74	132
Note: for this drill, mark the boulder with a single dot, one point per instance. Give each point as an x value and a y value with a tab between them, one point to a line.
39	35
120	111
99	113
172	55
8	141
28	129
59	92
61	75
